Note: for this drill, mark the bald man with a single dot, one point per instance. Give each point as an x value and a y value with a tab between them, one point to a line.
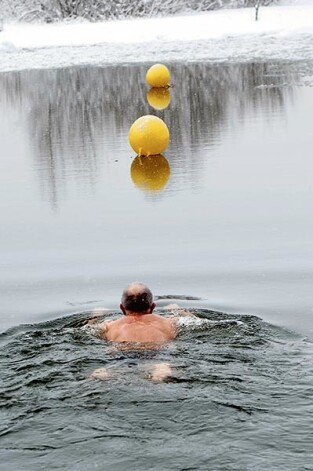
139	325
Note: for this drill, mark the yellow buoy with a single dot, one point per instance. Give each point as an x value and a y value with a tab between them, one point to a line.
150	173
159	98
148	135
158	76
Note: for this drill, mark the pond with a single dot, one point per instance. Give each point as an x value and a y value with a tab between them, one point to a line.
239	397
221	224
232	223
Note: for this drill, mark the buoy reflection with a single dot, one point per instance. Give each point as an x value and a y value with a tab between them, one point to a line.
150	173
159	98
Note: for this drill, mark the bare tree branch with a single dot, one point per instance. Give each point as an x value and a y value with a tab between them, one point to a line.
56	10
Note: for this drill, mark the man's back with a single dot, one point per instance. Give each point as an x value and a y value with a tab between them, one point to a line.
140	328
139	325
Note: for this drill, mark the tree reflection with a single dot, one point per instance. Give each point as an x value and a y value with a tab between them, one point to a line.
76	116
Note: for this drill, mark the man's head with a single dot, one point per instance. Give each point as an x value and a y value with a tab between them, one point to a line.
137	298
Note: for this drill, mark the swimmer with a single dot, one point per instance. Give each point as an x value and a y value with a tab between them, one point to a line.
139	325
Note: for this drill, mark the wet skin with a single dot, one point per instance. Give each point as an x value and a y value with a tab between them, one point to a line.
139	328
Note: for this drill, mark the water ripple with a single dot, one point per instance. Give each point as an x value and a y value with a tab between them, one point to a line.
239	397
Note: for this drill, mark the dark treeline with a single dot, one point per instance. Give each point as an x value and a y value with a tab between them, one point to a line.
56	10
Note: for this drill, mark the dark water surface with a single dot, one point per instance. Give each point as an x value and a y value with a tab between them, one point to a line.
239	398
225	219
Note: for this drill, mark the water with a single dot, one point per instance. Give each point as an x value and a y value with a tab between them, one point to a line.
232	225
226	226
239	397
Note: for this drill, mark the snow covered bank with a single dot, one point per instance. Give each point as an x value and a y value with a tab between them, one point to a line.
217	24
284	32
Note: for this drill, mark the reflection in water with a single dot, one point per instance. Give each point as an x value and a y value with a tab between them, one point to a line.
76	118
159	98
150	173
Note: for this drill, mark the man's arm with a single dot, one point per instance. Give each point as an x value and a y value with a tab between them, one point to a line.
103	329
97	314
178	311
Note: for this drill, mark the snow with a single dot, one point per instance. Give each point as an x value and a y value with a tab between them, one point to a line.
282	32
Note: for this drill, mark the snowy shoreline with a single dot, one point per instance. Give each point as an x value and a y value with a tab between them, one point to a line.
282	33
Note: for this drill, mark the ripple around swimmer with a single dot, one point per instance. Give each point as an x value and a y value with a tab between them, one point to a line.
239	398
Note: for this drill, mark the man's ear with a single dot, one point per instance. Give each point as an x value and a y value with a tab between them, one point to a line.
152	307
123	309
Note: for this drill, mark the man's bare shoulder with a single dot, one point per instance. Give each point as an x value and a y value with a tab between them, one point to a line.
165	319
